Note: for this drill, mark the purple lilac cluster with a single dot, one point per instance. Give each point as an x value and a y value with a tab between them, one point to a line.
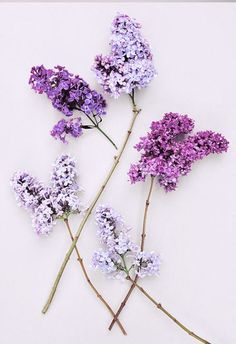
167	153
129	64
46	204
70	127
67	93
121	255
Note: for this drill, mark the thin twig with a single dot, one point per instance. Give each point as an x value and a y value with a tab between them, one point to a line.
80	260
89	211
159	306
143	236
96	125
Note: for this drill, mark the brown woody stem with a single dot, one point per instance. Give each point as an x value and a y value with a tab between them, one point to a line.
159	306
80	260
143	235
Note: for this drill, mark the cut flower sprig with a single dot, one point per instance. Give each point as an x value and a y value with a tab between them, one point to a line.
166	154
131	69
46	205
143	236
69	93
123	259
88	279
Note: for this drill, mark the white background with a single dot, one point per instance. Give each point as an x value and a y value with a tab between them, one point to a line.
193	228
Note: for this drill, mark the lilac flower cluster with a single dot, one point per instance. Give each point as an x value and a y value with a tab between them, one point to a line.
67	93
167	154
129	64
70	127
121	254
46	204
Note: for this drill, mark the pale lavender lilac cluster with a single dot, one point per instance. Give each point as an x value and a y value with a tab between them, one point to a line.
129	65
167	153
46	204
121	256
67	93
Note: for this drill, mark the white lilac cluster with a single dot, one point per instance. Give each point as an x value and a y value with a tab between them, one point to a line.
121	255
129	64
46	204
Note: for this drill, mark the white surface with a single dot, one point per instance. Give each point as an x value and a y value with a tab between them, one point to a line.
193	228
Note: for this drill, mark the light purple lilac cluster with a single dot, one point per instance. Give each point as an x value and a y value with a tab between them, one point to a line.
129	65
167	153
67	93
46	204
121	256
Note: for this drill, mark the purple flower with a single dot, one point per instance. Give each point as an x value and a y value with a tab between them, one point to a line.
27	189
64	173
46	204
167	153
109	263
66	91
70	127
65	186
147	264
121	256
109	223
39	79
129	64
44	215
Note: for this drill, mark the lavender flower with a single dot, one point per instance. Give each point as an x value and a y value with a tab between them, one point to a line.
167	154
46	204
109	263
64	173
65	186
27	189
43	216
109	223
121	255
66	91
129	64
147	264
70	127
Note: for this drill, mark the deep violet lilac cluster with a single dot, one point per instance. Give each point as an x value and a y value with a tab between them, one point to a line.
167	153
67	93
70	127
121	255
46	204
129	64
